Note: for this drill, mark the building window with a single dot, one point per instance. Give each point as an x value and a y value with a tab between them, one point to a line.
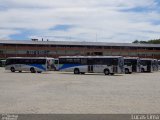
1	51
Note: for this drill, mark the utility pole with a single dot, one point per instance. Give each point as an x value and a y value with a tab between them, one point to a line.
96	37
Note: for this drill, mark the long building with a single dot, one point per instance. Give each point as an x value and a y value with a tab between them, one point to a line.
26	48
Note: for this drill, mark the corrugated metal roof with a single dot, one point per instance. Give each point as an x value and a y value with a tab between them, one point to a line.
90	56
76	43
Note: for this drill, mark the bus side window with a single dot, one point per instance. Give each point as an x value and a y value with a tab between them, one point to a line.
13	61
27	61
107	61
115	61
98	61
41	61
76	60
83	61
69	60
62	61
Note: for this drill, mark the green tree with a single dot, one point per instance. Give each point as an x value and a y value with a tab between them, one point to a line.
155	41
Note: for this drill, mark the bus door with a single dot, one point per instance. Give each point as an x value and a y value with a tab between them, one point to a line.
134	65
90	65
18	63
138	66
134	68
149	66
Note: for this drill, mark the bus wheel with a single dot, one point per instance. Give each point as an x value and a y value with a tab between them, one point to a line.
20	71
12	69
106	72
126	71
32	70
76	71
142	70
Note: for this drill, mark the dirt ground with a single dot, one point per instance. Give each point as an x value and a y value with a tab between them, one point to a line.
59	92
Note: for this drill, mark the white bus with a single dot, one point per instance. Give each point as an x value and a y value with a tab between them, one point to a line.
131	64
32	64
108	65
147	64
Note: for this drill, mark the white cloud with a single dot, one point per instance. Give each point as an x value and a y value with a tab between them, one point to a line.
90	18
4	33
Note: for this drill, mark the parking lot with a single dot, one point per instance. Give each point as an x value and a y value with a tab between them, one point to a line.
59	92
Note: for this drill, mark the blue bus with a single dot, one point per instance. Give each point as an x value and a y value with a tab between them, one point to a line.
32	64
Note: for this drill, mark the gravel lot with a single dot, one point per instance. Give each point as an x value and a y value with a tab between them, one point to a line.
57	92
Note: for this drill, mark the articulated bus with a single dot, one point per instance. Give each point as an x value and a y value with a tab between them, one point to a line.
35	64
147	64
109	65
131	64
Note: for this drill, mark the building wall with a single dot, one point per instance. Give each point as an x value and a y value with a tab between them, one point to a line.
11	50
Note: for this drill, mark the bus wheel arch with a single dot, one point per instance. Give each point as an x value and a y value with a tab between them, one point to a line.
32	70
106	71
12	69
76	71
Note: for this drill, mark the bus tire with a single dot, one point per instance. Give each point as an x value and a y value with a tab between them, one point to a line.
127	71
106	72
20	71
12	69
76	71
32	70
142	70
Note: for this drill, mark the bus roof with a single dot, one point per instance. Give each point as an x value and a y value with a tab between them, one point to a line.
146	59
29	58
131	58
90	56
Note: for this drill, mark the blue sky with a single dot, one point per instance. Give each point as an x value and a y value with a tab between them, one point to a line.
80	20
